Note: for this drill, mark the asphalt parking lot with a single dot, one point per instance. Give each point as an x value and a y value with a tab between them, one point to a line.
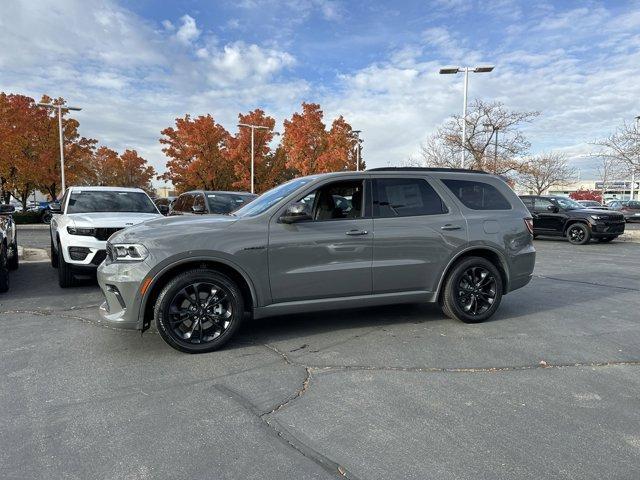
547	389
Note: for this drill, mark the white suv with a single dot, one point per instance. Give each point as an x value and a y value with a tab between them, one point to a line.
85	218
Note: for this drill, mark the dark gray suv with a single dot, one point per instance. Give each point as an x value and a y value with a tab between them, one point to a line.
339	240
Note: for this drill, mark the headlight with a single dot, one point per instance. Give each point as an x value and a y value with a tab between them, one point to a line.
88	232
127	252
597	217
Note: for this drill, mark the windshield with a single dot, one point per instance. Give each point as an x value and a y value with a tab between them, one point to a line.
87	201
225	203
270	198
633	204
568	204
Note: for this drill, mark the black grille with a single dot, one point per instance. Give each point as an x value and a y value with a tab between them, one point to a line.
105	233
99	257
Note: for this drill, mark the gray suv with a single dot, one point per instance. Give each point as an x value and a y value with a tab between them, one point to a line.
338	240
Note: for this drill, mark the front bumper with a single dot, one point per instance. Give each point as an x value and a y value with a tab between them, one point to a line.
120	284
606	229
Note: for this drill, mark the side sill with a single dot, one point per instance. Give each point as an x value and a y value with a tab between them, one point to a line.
358	301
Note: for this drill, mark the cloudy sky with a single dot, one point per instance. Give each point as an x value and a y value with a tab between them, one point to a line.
136	65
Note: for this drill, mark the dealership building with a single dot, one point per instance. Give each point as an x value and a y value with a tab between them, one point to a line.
618	189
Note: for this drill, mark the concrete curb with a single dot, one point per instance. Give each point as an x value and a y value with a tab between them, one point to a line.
32	254
34	226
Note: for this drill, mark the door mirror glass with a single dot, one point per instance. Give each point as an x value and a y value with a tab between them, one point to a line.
553	208
296	212
7	209
55	207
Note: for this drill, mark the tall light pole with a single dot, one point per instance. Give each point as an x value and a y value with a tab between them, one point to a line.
60	108
465	70
357	134
253	129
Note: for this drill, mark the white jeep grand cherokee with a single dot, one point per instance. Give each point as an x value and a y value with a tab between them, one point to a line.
83	221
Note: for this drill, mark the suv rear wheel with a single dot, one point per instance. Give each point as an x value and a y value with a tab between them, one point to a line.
578	234
472	290
199	311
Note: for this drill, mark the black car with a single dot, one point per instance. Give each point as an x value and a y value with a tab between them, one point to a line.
202	202
563	217
8	245
164	204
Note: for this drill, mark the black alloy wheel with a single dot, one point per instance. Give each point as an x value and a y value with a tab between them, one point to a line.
578	234
199	311
476	290
472	291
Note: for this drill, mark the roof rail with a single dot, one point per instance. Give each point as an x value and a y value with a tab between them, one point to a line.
424	169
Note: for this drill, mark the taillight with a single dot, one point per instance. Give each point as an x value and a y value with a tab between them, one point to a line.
529	223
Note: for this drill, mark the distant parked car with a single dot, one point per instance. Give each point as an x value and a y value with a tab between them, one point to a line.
83	221
617	204
563	217
8	245
164	204
630	209
592	204
203	202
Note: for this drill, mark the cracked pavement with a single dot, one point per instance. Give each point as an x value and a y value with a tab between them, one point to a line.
546	389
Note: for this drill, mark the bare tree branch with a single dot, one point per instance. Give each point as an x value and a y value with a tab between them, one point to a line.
541	172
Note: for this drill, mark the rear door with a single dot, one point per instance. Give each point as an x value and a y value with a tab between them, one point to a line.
416	230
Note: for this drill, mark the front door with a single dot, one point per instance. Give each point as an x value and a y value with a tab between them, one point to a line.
329	255
545	217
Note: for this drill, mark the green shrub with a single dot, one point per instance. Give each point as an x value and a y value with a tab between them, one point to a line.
23	218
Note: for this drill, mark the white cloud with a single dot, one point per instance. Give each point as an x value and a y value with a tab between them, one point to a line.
239	62
188	31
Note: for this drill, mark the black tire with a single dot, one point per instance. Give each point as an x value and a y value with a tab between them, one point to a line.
46	217
65	271
14	262
177	318
605	239
53	255
4	270
578	234
484	291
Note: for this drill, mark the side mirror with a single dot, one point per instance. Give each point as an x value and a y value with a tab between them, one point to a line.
296	212
198	209
553	208
55	207
7	209
164	209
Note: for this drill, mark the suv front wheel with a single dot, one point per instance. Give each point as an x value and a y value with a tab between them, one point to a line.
578	234
472	290
199	311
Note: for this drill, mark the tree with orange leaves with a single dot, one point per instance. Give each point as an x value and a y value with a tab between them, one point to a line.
305	140
311	149
198	151
135	171
240	150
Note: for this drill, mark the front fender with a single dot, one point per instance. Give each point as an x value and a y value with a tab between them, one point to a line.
158	272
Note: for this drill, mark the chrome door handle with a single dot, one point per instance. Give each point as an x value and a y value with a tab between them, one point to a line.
357	232
449	227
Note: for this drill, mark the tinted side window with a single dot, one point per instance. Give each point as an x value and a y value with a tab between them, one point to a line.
542	204
477	195
198	201
405	197
528	202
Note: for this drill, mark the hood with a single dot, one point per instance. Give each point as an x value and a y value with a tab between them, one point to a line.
164	227
595	211
110	219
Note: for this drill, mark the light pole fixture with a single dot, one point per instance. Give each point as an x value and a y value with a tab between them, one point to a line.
357	135
60	108
253	129
494	130
465	70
